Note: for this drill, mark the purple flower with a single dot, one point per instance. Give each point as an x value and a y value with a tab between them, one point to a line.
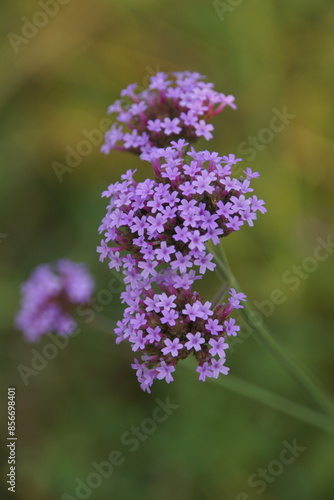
167	301
234	223
152	304
213	326
257	204
129	90
194	341
154	125
169	316
239	203
153	334
159	81
160	227
175	106
189	118
218	367
250	174
163	225
236	298
196	241
49	297
165	372
171	126
231	328
103	250
148	268
204	371
138	341
164	252
181	234
159	231
181	262
172	347
204	182
204	262
204	310
218	347
172	325
230	159
203	129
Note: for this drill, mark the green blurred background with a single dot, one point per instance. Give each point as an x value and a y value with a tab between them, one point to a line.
270	54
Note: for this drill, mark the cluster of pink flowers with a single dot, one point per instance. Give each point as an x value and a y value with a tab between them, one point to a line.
49	297
166	222
156	232
174	105
170	325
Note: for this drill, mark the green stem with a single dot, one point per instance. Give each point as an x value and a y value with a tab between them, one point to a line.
268	398
307	383
99	322
220	295
276	402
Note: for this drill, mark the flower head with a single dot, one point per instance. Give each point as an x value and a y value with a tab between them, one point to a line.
196	330
160	228
50	295
164	227
176	105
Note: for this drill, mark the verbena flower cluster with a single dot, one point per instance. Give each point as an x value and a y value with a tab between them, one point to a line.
170	325
157	232
176	105
50	295
160	228
166	222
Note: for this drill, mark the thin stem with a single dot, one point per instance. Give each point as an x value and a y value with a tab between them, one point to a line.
100	322
272	400
275	401
220	294
307	383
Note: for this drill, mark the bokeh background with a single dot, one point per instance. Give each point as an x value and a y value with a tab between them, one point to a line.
54	85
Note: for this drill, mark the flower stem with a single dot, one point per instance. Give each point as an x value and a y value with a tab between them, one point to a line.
277	402
220	295
99	322
306	381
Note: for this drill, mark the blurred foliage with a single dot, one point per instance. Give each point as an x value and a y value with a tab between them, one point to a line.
271	54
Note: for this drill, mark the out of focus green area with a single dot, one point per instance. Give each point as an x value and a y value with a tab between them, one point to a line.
275	56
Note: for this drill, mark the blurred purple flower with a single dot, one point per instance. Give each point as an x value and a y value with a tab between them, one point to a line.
49	297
